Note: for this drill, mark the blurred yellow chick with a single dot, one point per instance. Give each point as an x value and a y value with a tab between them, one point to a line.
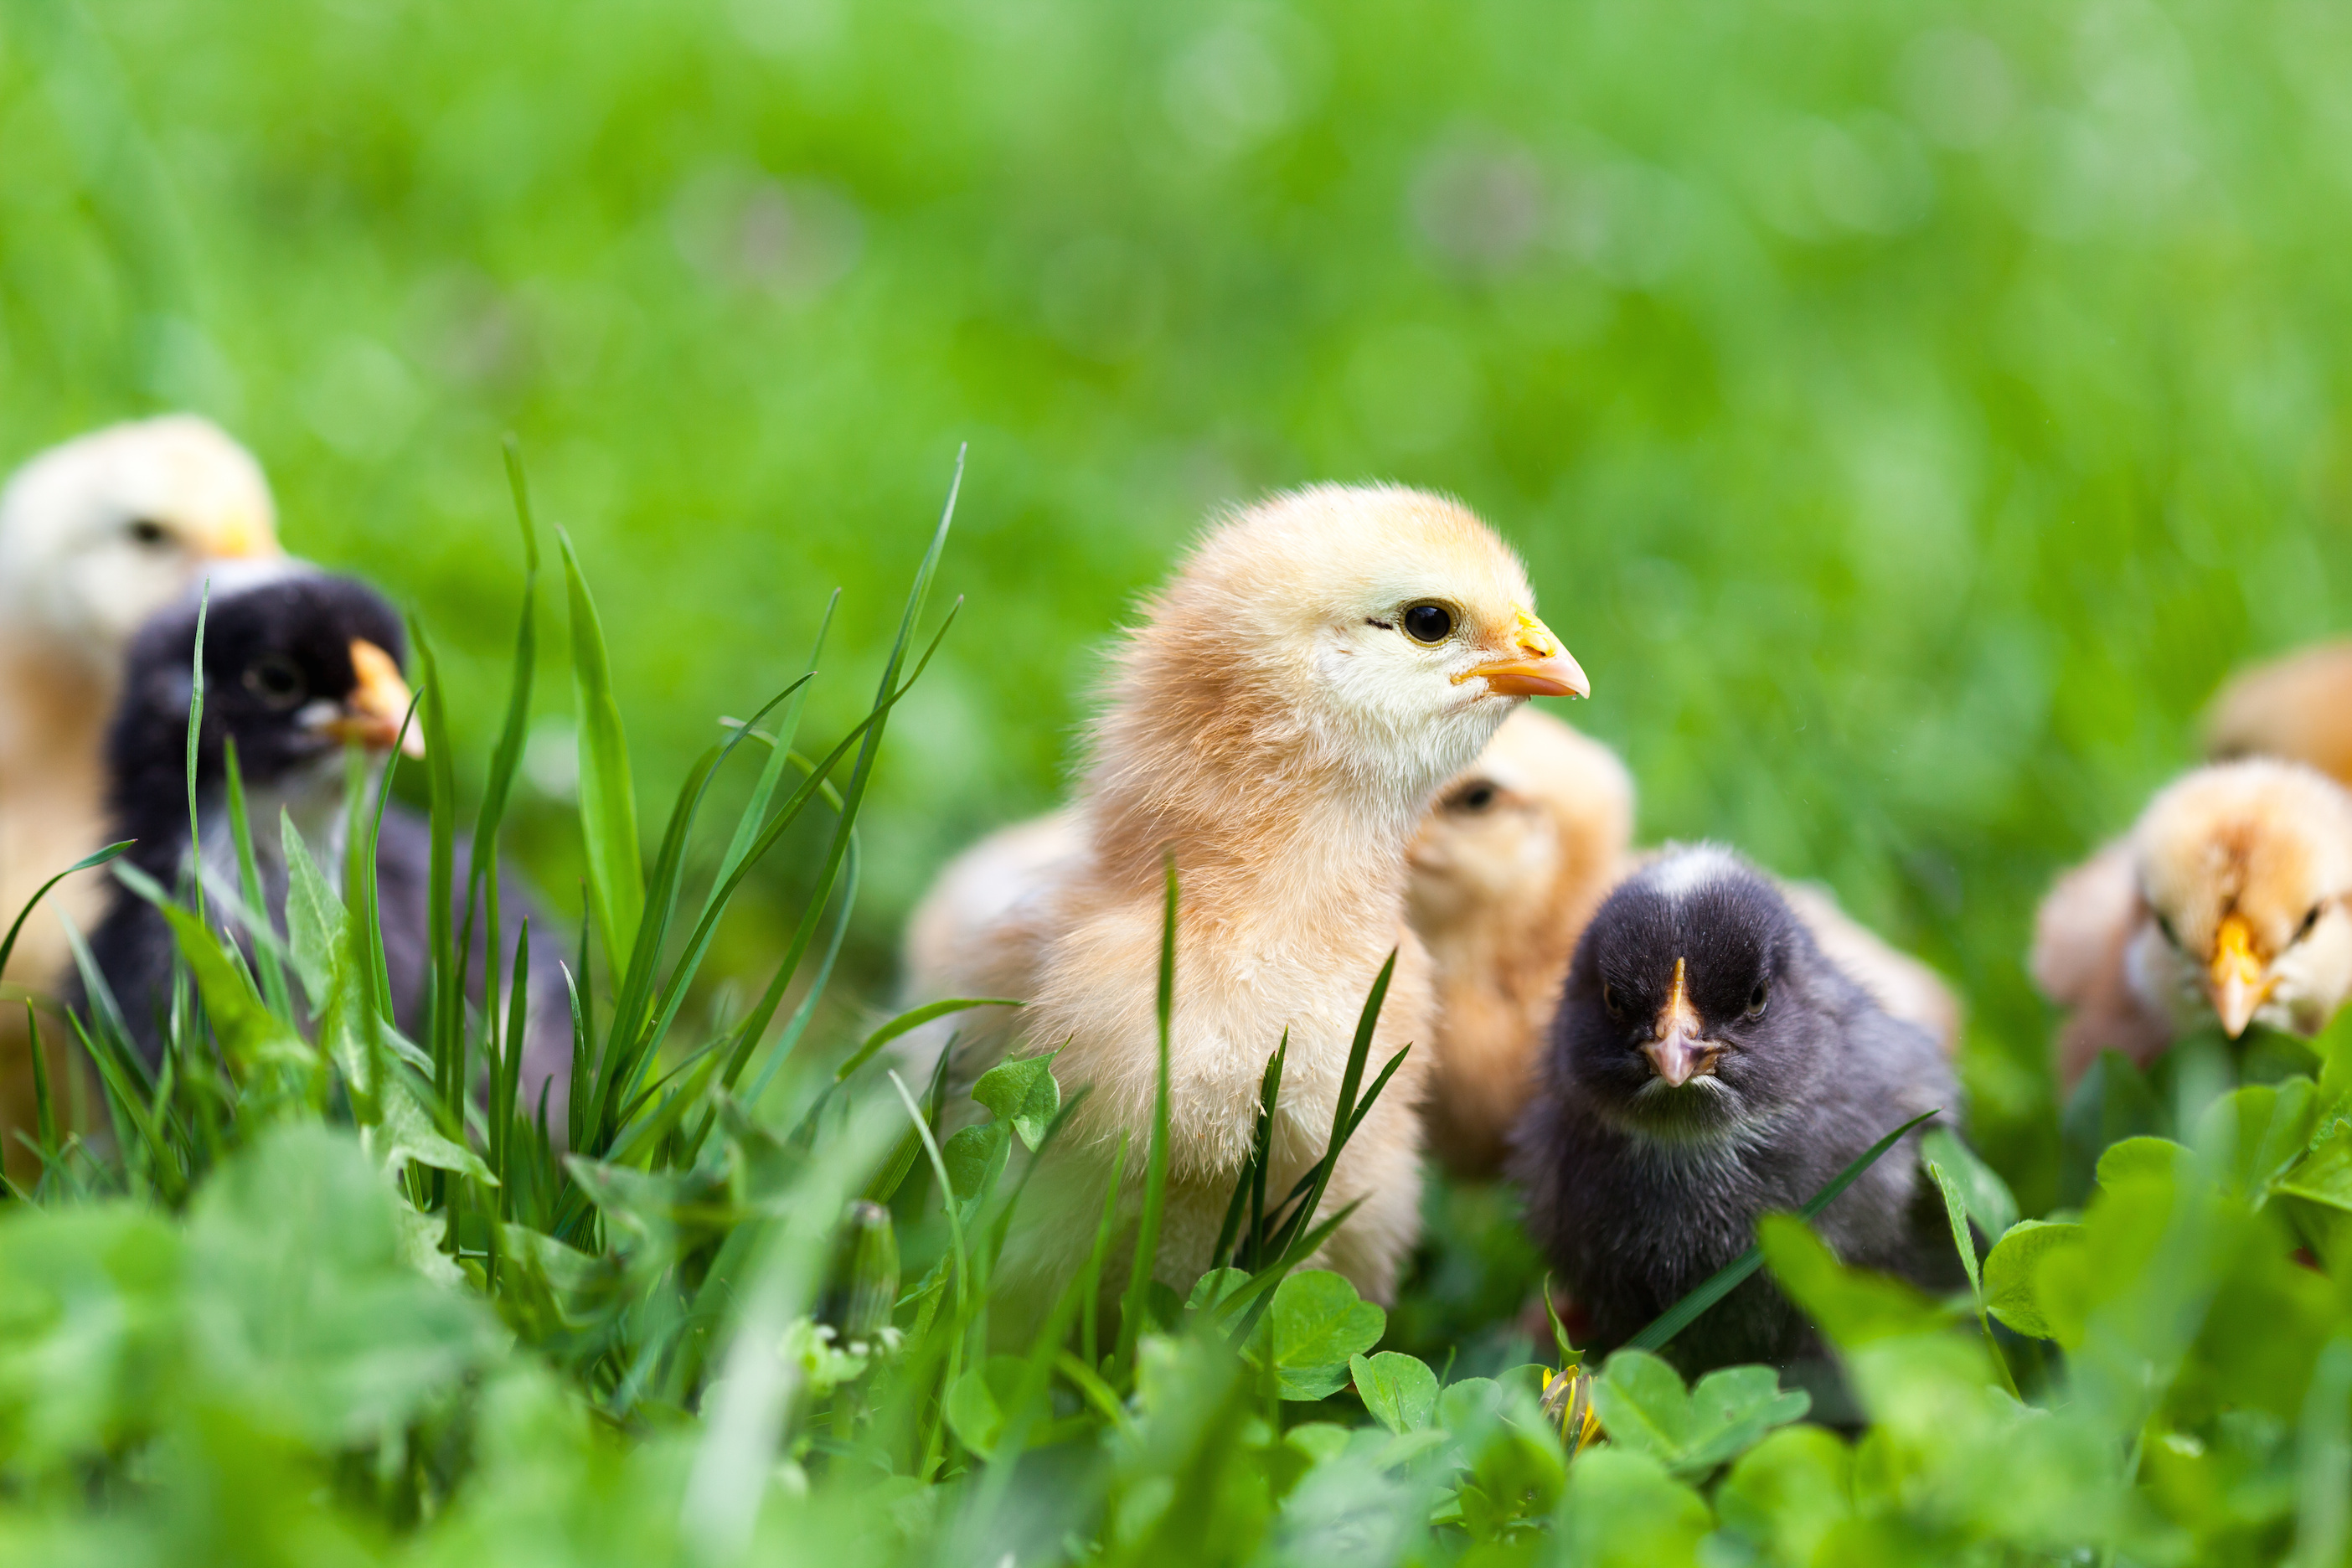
2225	902
1318	667
95	536
2298	708
1511	863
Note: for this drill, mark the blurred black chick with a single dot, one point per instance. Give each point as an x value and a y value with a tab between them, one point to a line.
296	664
1708	1063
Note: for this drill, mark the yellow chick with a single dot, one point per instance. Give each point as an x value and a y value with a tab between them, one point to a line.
95	536
1318	667
1543	823
2298	707
2225	902
1510	862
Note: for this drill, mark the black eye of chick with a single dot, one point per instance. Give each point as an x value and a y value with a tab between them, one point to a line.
147	533
1477	798
276	679
2164	925
2309	920
1610	999
1428	623
1757	998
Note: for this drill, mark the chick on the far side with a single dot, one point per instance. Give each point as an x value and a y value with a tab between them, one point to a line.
2298	708
95	536
2225	903
296	664
1510	862
1709	1063
1321	663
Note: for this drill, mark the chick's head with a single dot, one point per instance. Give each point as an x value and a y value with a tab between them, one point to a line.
1543	811
2244	868
98	535
1382	630
1692	1005
295	666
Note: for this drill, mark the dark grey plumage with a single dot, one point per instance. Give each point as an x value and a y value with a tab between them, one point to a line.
289	677
1639	1188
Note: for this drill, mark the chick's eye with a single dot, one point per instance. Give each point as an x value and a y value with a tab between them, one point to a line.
2165	926
1477	797
1428	623
2309	920
276	681
147	533
1610	1000
1757	998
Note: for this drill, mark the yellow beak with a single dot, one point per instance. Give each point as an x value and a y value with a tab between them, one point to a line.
1543	667
2239	982
1678	1055
240	536
373	712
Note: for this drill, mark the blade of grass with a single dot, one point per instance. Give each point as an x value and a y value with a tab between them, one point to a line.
446	1031
1721	1283
1155	1169
271	972
608	798
195	732
1252	1176
87	863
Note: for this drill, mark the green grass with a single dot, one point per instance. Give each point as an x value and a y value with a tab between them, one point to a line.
1908	413
318	1292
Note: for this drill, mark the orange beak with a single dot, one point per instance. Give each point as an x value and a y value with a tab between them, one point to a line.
1542	669
378	705
2239	982
1677	1054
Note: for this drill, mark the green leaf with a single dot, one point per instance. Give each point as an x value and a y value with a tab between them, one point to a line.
302	1310
1399	1390
976	1404
1214	1287
2140	1160
2012	1270
1983	1194
1024	1096
1643	1406
2111	1103
1786	1494
314	917
1317	1324
1956	1210
1624	1511
608	796
91	1327
252	1039
1852	1306
974	1157
2257	1131
2324	1175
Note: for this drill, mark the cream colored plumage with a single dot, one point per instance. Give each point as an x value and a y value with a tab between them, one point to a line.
95	535
1276	726
2298	708
1508	866
2225	902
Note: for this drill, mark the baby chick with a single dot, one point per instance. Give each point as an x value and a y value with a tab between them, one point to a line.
1707	1064
1319	666
296	664
2298	708
95	536
2225	902
1510	861
1543	820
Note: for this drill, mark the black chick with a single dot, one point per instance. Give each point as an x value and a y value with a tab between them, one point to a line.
296	663
1708	1063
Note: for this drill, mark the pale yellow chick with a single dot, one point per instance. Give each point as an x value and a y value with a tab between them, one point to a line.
2225	902
2298	708
95	536
1319	666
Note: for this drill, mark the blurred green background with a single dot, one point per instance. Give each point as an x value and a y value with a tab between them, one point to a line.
1908	413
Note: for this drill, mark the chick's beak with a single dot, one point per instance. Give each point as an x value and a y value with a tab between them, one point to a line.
1542	668
372	714
1677	1054
238	536
2239	982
